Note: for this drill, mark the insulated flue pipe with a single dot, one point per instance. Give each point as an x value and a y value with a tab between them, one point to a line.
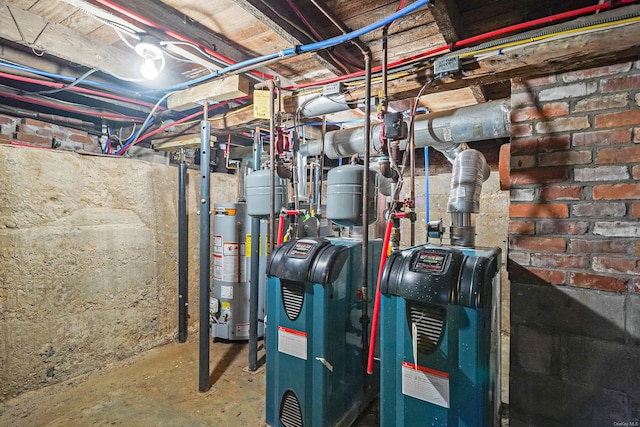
469	171
444	131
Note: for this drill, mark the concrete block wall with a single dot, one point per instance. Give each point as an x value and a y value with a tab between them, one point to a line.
88	261
574	245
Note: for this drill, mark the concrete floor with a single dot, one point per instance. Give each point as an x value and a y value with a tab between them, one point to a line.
156	388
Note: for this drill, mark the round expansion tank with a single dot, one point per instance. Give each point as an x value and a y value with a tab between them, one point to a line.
258	193
344	195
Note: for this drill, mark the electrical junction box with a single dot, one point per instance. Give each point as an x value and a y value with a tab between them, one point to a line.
332	89
446	65
394	126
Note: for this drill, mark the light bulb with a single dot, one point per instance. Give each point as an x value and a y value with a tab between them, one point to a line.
148	68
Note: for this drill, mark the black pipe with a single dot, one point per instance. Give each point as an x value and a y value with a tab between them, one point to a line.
205	249
364	320
254	279
182	250
253	293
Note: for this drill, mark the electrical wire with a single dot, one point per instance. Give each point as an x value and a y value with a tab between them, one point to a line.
296	50
223	59
485	36
6	64
67	87
148	120
70	108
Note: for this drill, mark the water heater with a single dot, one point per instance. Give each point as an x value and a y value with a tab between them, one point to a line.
231	261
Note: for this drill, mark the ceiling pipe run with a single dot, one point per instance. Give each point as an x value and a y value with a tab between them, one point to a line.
447	132
444	131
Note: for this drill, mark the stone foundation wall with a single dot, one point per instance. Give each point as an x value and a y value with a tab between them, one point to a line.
88	261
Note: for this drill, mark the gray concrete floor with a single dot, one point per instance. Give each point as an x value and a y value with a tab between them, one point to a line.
156	388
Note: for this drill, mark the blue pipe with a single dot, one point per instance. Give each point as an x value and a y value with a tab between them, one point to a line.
426	185
71	79
304	48
134	137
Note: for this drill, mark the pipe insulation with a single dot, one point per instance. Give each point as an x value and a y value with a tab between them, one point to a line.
445	131
468	172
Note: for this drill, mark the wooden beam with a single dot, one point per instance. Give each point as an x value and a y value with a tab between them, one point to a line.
580	51
175	142
279	21
576	52
163	12
213	91
27	29
447	17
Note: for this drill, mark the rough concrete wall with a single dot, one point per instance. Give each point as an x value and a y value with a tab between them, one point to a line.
88	261
574	248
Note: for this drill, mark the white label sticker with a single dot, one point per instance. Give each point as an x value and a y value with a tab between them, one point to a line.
242	330
292	342
425	384
217	267
217	244
226	292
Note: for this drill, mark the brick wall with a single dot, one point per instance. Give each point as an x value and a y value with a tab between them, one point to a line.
43	134
574	248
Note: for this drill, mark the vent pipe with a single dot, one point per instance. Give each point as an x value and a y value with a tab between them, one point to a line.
468	172
444	131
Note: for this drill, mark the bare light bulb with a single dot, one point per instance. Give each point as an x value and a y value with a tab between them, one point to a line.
148	68
151	54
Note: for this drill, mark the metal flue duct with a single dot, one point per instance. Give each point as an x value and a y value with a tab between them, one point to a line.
444	131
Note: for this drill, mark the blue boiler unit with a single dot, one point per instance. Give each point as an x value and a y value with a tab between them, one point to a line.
315	362
439	337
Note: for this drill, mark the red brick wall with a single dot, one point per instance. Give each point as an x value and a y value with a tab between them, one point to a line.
574	248
575	155
42	134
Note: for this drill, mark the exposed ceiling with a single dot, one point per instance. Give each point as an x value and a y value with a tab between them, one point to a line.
47	44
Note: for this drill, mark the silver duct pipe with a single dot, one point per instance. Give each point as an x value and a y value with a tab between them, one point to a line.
319	105
444	131
301	171
447	132
468	172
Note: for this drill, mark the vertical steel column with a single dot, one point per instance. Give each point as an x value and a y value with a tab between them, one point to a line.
182	250
365	212
254	281
205	248
272	165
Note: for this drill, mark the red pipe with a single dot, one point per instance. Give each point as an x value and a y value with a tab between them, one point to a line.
23	144
177	122
77	89
132	15
71	109
280	229
470	40
533	23
376	304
